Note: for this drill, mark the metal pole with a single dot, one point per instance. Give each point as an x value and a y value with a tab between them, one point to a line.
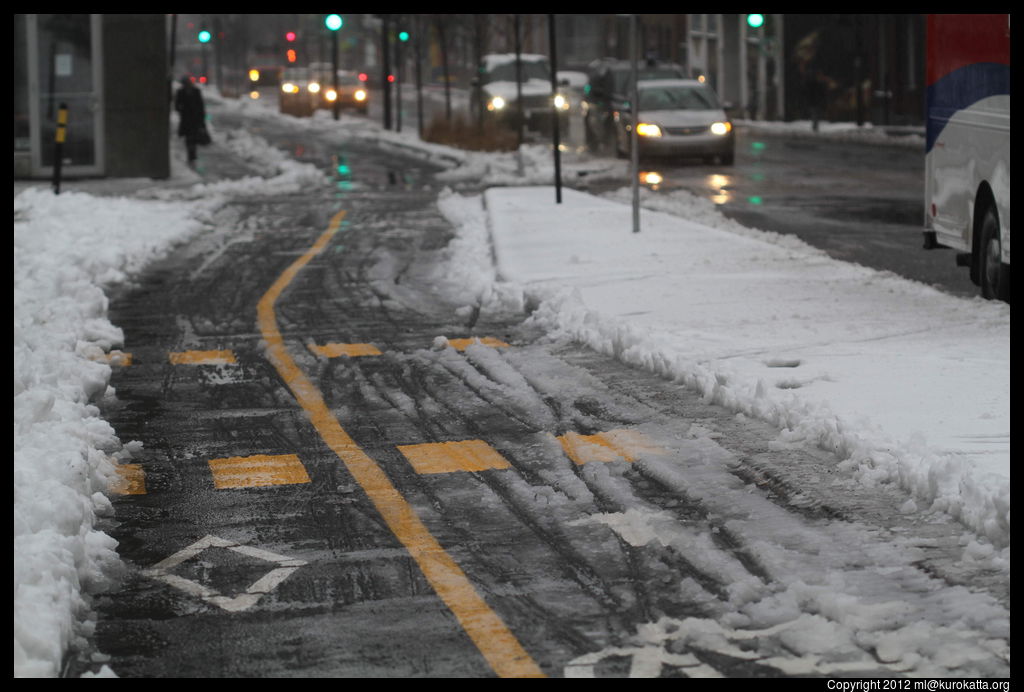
554	109
60	135
386	56
634	110
336	106
419	75
171	59
519	98
398	85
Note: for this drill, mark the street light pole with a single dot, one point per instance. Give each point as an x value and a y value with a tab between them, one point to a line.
634	116
554	109
336	106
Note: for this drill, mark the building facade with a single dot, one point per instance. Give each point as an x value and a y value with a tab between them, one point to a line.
110	73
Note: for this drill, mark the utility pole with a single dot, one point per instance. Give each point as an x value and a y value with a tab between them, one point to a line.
385	37
554	108
634	115
520	117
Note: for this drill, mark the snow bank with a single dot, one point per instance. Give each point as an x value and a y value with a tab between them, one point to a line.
67	248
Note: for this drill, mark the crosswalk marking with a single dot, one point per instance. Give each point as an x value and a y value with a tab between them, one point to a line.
222	357
462	344
448	457
335	350
258	471
614	445
130	480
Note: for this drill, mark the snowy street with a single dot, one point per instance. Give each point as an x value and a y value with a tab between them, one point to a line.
342	403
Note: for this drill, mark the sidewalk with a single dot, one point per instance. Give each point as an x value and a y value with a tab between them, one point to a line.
906	384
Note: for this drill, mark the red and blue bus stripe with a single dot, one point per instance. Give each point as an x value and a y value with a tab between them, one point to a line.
968	60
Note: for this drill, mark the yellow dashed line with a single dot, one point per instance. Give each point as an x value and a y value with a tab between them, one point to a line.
462	344
115	358
130	481
446	457
202	358
489	633
614	445
351	350
258	471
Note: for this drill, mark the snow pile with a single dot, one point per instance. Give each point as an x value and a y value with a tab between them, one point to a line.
909	137
905	384
65	248
68	247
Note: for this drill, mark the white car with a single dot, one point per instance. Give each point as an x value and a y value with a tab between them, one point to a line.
681	118
495	91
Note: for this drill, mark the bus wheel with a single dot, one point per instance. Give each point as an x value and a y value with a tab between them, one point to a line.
995	276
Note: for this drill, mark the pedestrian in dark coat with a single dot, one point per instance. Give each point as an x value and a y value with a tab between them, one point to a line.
192	116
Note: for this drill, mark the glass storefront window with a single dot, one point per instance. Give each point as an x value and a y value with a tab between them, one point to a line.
65	68
22	117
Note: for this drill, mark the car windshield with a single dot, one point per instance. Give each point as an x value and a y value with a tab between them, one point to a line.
506	71
673	98
623	78
296	74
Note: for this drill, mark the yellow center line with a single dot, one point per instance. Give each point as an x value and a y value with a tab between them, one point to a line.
499	646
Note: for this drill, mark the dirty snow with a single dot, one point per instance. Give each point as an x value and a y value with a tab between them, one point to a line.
907	385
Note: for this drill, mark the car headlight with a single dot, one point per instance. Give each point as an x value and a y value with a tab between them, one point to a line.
314	87
561	102
648	130
496	104
721	128
331	95
360	94
289	88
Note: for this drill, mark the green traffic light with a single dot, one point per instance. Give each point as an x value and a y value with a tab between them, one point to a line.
755	20
333	21
403	35
204	36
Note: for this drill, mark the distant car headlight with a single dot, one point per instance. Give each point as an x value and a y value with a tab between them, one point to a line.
648	130
496	104
722	128
254	94
289	88
314	87
360	94
561	102
331	95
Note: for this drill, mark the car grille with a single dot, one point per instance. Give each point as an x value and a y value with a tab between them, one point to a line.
683	131
535	102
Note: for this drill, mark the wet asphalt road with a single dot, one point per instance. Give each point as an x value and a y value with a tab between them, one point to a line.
487	543
859	202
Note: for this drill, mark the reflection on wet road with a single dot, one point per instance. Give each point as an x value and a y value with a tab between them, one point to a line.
858	202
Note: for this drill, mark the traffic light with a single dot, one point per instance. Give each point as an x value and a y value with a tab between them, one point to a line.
333	22
289	37
204	36
291	55
755	21
403	36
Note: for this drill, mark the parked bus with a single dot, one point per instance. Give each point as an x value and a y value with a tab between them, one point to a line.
967	150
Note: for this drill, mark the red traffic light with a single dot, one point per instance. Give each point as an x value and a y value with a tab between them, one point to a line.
290	36
363	77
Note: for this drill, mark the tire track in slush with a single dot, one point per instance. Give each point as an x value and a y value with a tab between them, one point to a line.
493	639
